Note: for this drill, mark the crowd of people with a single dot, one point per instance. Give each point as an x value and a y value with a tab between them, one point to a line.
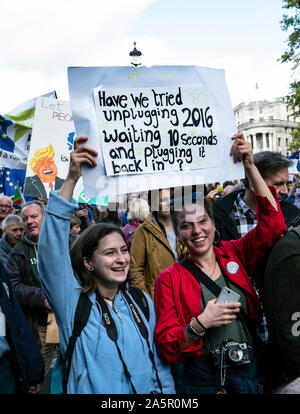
147	275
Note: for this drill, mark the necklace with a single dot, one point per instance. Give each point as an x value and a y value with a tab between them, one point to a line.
211	275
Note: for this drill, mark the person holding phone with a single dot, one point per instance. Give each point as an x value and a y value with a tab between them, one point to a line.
215	342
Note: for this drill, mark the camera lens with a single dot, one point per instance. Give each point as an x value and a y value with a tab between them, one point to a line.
235	354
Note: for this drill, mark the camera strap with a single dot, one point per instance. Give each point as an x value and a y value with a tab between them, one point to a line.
112	332
144	332
201	277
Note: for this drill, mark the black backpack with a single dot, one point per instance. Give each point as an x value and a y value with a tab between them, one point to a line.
61	370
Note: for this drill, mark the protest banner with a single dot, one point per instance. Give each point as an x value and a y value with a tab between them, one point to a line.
79	195
52	139
149	130
154	127
15	134
51	142
10	179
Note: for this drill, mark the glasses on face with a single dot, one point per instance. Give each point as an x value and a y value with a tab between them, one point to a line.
6	207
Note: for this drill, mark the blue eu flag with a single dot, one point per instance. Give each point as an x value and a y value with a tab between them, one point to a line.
6	143
9	178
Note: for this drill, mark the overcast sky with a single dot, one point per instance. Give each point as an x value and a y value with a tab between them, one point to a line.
39	40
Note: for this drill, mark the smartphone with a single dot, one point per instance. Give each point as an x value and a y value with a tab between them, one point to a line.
227	296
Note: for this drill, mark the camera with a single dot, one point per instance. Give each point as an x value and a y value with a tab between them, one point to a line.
232	353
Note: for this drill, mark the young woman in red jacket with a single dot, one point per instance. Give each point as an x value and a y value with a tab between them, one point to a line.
216	342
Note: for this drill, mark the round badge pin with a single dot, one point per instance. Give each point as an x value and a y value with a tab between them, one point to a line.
232	267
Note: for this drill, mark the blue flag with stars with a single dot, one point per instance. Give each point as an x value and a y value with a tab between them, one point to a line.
6	143
9	179
15	133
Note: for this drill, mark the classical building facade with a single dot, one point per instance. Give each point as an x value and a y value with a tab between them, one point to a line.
267	125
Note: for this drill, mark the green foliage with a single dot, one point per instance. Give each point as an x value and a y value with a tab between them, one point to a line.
294	146
291	23
293	99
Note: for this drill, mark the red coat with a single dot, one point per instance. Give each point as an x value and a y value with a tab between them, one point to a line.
177	295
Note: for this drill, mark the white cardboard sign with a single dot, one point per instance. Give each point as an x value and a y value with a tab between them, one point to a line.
153	127
150	130
52	139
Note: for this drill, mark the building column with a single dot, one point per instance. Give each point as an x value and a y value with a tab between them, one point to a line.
264	141
254	143
271	141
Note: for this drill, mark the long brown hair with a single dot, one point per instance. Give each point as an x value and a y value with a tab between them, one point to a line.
85	246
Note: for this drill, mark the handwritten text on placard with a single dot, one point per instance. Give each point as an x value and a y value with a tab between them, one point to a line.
150	130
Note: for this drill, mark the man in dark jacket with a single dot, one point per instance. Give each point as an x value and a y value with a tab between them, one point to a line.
282	307
22	268
21	364
235	214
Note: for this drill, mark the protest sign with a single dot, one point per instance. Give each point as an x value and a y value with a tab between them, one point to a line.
15	134
51	142
79	195
154	127
149	130
52	139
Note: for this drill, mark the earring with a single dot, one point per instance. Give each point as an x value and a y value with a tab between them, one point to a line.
219	237
90	268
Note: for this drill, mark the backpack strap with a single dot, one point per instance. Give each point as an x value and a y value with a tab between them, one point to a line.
139	297
82	314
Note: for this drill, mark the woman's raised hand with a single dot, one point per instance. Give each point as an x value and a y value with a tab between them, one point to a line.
81	155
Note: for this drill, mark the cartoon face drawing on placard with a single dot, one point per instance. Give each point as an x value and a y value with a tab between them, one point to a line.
43	164
45	176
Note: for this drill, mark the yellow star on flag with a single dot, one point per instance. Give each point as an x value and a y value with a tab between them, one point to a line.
163	125
135	76
104	125
195	94
166	76
198	162
138	150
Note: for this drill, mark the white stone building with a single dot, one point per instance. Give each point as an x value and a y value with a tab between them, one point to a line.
266	124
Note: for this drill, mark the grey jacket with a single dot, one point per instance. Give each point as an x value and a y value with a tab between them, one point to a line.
5	249
31	298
